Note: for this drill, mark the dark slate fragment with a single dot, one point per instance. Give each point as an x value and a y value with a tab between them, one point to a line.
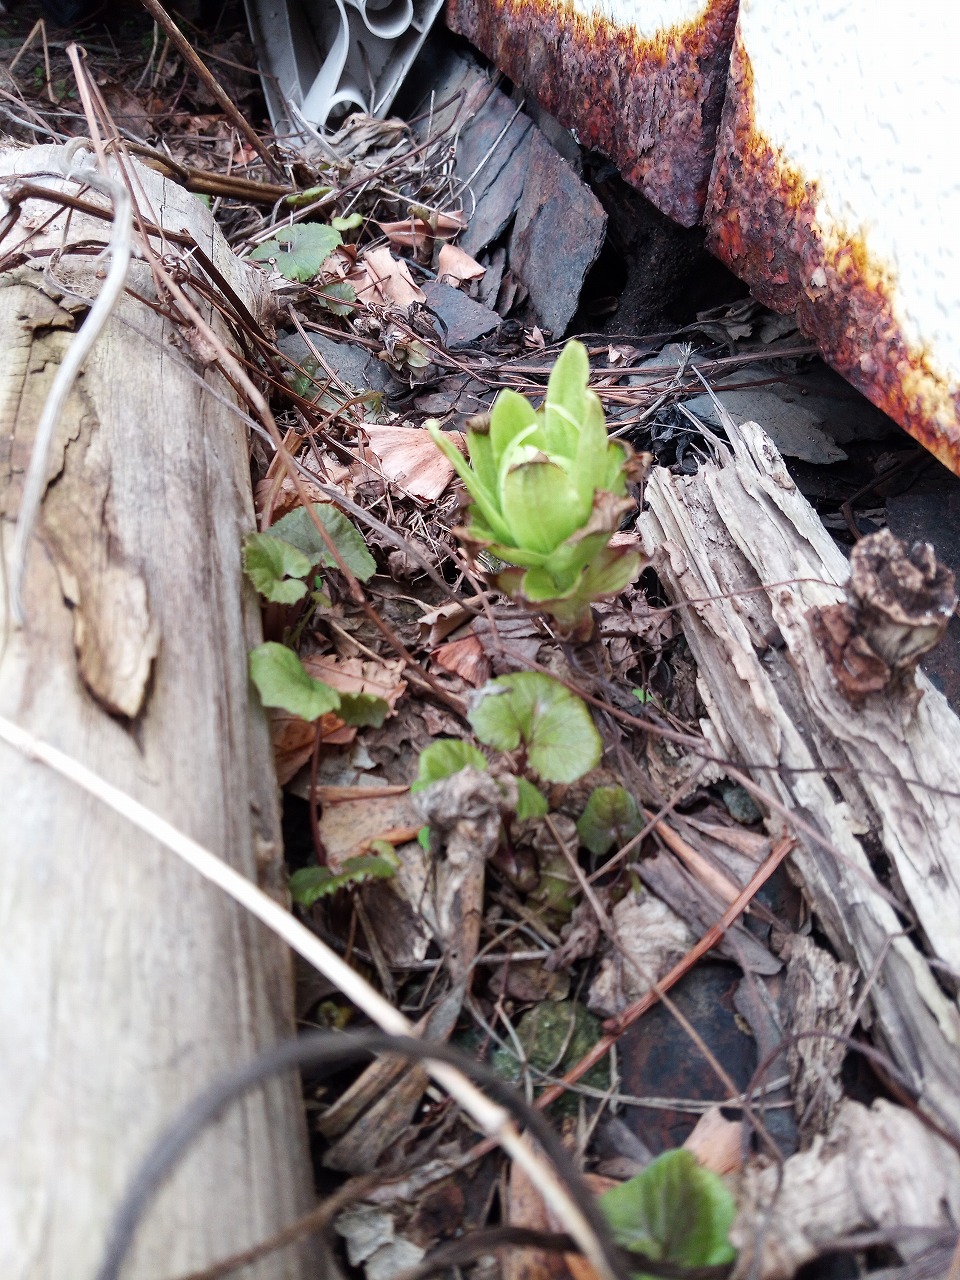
496	166
558	233
465	320
493	142
352	362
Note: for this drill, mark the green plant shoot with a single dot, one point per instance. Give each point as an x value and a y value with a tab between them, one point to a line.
548	490
299	251
282	681
674	1211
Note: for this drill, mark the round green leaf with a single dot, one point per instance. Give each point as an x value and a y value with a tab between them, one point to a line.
611	817
298	529
363	709
445	757
272	565
282	682
299	251
553	724
675	1211
312	883
531	802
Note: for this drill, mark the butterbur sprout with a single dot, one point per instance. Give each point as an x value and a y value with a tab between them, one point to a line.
548	490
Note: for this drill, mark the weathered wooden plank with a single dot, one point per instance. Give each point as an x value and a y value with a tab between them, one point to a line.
878	782
129	984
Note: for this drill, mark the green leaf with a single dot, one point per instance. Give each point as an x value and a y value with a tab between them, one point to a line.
272	565
553	724
298	198
531	802
299	529
599	463
299	251
349	223
363	709
423	835
282	682
480	449
484	498
570	559
312	883
445	757
525	559
513	417
675	1211
338	297
564	408
541	505
611	817
609	573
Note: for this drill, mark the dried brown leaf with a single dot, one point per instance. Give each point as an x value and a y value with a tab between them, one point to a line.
464	658
409	458
416	233
455	265
380	277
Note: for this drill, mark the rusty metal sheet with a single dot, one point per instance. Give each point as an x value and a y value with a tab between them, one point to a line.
638	80
834	195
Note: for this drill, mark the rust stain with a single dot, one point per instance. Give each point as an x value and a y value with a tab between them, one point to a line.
651	105
761	222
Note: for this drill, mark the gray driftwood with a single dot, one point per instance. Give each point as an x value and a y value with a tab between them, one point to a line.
879	782
128	983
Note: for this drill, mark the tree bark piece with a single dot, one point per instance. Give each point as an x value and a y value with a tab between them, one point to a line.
878	783
129	983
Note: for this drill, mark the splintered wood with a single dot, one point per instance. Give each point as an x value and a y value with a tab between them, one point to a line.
872	784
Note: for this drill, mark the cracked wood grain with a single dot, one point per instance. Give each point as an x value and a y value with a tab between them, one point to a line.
129	983
878	782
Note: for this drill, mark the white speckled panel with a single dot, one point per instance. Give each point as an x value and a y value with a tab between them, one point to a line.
863	97
647	17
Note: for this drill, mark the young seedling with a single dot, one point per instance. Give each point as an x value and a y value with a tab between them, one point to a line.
675	1211
548	490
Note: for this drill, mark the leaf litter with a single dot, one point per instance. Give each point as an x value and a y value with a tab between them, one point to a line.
514	829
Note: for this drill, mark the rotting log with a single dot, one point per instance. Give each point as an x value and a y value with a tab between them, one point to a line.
128	983
874	781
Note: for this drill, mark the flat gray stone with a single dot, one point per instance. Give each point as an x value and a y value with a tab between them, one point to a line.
465	320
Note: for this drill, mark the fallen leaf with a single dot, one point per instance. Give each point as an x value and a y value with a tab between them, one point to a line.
649	939
380	277
293	738
348	829
418	233
455	265
717	1143
353	675
442	621
284	496
464	658
409	458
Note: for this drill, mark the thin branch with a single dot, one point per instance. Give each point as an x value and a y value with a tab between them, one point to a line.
210	81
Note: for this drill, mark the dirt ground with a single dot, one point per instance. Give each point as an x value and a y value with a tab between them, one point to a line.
600	894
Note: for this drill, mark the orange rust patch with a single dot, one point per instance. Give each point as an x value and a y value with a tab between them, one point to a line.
761	222
653	106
